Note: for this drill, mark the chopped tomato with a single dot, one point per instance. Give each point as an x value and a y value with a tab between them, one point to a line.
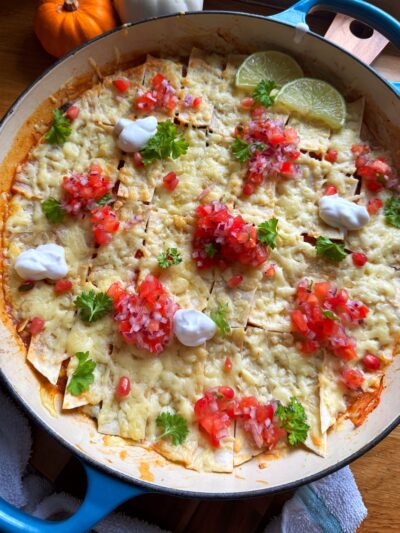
234	281
83	189
331	156
146	101
270	271
375	173
36	325
161	96
371	362
138	159
197	101
227	364
352	378
105	223
299	322
72	112
359	149
123	387
330	190
309	346
359	259
258	112
286	168
122	84
374	205
62	286
247	102
170	181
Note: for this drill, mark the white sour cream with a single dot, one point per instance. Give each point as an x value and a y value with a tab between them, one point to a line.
341	213
133	135
192	327
43	262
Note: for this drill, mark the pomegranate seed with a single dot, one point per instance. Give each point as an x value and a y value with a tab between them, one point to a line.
331	156
234	281
371	362
36	325
226	392
170	181
270	271
374	205
247	102
330	190
122	85
62	286
197	101
359	259
123	387
228	364
138	160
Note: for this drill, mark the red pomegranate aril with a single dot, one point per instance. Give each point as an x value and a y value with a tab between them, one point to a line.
331	156
371	362
352	378
197	101
374	205
170	181
359	259
330	190
123	387
62	286
234	281
227	364
247	102
72	112
122	85
138	160
227	392
36	325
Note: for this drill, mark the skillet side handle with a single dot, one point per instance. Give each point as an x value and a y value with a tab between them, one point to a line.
104	493
358	9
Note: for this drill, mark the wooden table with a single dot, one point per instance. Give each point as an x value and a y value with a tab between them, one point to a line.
377	473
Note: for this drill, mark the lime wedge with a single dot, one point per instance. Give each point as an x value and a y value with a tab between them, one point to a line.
315	100
268	65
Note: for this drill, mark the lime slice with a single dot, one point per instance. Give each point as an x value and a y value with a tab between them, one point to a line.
315	100
269	65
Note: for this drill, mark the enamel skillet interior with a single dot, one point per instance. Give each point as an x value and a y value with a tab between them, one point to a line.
223	33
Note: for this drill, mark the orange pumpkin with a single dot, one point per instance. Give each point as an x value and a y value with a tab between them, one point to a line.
62	25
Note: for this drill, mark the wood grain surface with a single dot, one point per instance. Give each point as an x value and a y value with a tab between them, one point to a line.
377	473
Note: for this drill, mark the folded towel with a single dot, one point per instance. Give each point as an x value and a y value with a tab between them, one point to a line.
331	505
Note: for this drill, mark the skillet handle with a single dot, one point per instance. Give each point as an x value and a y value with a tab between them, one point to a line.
104	493
358	9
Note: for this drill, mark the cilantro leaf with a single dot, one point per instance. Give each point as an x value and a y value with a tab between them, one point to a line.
210	249
83	375
330	250
53	210
218	316
329	314
60	128
241	149
262	93
392	211
104	200
170	257
267	232
165	143
174	426
93	305
293	420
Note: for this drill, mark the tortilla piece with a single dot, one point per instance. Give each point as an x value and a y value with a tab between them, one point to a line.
313	137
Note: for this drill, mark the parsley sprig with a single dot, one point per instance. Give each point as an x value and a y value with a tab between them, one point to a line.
262	93
174	426
219	317
60	128
104	200
392	211
267	232
93	305
168	258
83	375
210	249
243	151
330	250
165	143
53	210
293	420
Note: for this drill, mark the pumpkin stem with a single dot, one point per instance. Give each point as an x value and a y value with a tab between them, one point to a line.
70	5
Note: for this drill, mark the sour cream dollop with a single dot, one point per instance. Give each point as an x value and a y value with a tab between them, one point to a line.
133	135
341	213
43	262
192	327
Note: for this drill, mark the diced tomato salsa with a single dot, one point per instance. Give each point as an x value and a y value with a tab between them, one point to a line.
146	317
352	378
162	95
376	173
229	238
82	190
322	313
105	223
36	325
274	151
216	410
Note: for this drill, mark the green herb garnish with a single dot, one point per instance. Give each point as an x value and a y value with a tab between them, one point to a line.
53	210
210	249
165	143
241	149
60	128
219	317
174	426
83	375
267	232
93	305
329	314
168	258
330	250
392	211
104	200
262	93
293	420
